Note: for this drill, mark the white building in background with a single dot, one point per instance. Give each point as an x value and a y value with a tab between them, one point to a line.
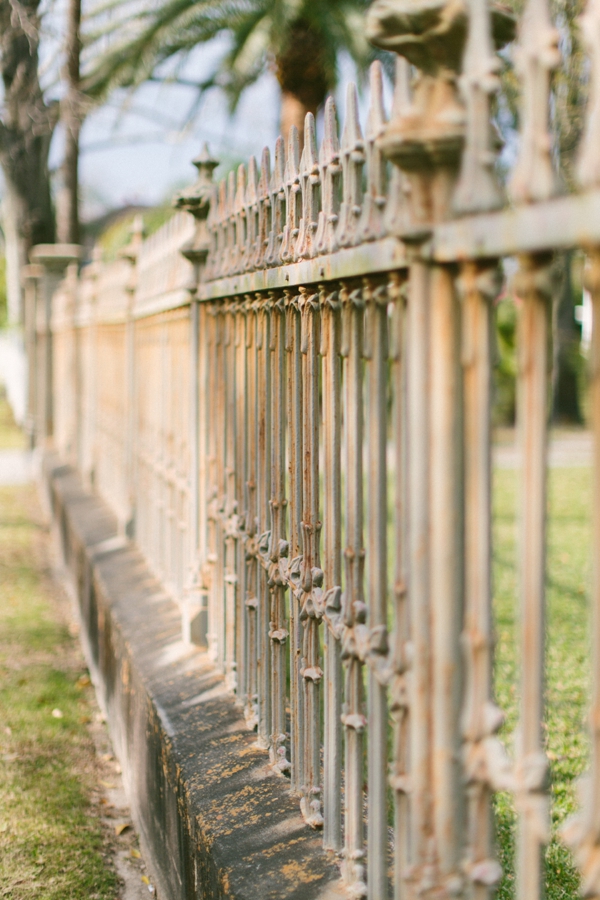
13	371
583	315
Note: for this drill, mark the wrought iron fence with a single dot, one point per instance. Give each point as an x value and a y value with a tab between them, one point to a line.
287	402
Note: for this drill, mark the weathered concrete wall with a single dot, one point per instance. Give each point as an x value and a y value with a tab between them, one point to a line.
213	818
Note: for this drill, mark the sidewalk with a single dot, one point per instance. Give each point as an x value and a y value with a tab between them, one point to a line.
567	448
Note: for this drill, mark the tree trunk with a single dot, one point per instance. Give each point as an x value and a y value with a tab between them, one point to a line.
67	212
28	216
26	128
567	353
293	112
303	75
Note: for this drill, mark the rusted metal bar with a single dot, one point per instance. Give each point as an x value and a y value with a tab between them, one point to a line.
251	444
354	607
332	568
278	546
418	331
212	479
400	651
311	574
376	298
479	285
263	491
241	646
533	285
295	457
446	569
231	530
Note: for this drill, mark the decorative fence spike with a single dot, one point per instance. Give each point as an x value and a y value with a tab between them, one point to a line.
536	55
277	204
293	196
331	172
372	224
353	160
478	189
264	211
397	209
310	181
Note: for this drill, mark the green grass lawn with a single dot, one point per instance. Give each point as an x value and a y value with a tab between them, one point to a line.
568	648
53	845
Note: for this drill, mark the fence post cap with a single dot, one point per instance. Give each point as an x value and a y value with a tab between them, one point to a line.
55	256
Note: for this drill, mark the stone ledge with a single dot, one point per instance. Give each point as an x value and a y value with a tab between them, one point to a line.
214	820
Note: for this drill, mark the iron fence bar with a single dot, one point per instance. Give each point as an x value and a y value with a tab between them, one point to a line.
376	298
250	432
534	286
230	521
263	481
418	415
278	550
332	568
446	571
241	648
223	378
212	492
311	575
354	607
481	719
400	651
295	462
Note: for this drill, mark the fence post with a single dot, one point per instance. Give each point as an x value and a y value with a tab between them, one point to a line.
54	260
197	200
131	253
31	276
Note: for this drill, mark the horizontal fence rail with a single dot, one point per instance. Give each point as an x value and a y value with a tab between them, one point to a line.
285	398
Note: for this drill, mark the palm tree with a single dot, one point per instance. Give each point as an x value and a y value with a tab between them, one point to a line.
299	40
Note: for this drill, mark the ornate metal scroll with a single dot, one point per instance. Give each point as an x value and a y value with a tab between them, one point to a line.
478	189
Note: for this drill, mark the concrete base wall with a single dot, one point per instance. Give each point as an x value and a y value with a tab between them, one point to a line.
214	820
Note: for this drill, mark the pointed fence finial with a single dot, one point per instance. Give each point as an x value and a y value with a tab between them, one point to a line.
353	160
310	183
293	197
534	176
264	209
478	188
331	173
372	224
